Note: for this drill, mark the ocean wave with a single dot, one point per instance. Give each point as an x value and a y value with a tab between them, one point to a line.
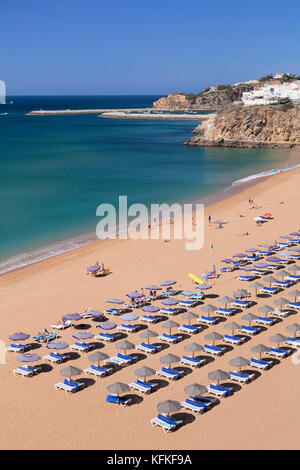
263	174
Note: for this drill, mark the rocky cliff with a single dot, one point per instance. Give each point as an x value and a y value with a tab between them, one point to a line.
273	126
206	100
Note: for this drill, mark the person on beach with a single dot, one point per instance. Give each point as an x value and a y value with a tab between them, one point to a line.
209	219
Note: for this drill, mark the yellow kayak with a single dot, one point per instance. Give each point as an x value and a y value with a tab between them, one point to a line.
195	278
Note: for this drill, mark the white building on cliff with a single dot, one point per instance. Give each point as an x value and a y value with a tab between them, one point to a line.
2	92
269	93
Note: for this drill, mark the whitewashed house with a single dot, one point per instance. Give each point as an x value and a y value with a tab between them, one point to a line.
269	94
2	92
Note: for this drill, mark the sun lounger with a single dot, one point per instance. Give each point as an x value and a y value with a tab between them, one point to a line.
250	330
67	324
165	422
226	311
48	337
18	348
170	338
264	253
170	374
128	328
242	303
189	329
269	290
219	391
284	261
245	278
208	320
294	305
98	371
265	321
114	311
82	347
55	358
121	359
245	295
241	377
150	318
214	350
282	284
277	352
273	267
253	258
233	339
108	337
292	278
260	364
259	272
69	386
188	303
169	311
148	348
280	313
199	296
118	400
143	387
208	401
293	342
170	292
192	361
26	371
227	269
193	406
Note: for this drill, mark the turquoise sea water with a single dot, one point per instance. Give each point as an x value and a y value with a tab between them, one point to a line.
56	170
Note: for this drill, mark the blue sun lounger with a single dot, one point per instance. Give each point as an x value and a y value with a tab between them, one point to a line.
250	330
293	341
189	329
264	253
170	292
265	320
259	363
108	337
98	371
194	406
214	350
219	390
192	361
55	357
295	305
188	303
144	387
169	311
259	272
167	423
208	320
118	400
277	352
26	371
169	374
242	303
148	348
114	311
83	347
208	401
292	278
240	376
170	338
226	311
69	386
18	348
282	283
269	290
128	328
233	339
245	278
150	318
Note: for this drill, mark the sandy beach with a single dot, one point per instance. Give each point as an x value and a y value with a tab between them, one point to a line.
261	415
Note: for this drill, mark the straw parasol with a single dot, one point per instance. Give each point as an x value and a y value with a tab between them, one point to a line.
169	406
144	372
70	371
294	327
117	388
225	300
249	317
124	345
255	285
208	308
281	302
278	339
270	279
294	293
169	324
169	359
193	347
260	348
239	362
148	334
282	274
190	316
218	375
266	309
97	356
232	326
213	336
196	390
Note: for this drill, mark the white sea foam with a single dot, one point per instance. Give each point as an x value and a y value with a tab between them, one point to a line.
263	174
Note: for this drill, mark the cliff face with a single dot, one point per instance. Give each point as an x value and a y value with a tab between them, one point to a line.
255	126
206	101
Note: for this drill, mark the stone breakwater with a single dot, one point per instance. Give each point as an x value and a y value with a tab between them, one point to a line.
257	126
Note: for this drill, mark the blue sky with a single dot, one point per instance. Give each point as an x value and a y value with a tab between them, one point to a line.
143	46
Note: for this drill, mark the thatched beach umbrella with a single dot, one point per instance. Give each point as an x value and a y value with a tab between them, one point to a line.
260	348
148	334
278	339
124	345
281	302
144	372
195	390
117	388
294	293
293	268
266	309
249	317
190	316
270	279
97	356
70	371
232	326
169	359
169	406
241	293
208	308
213	336
193	347
218	375
255	285
239	362
169	324
294	327
225	300
282	274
